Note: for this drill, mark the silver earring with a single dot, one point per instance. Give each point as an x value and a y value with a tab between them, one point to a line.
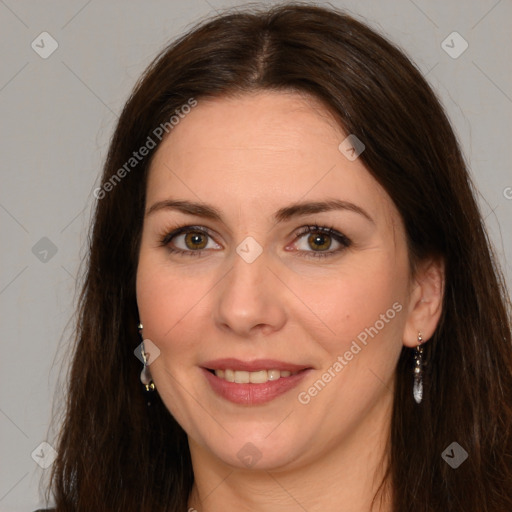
417	389
145	374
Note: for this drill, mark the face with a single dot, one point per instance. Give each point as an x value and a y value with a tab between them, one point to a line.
269	255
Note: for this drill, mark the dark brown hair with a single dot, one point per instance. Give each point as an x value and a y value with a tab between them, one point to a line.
115	453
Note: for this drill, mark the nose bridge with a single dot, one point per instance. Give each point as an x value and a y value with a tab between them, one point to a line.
248	298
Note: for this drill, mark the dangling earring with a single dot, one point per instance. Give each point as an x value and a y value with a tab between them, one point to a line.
417	389
145	374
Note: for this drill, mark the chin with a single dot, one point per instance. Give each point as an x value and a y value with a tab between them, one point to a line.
257	453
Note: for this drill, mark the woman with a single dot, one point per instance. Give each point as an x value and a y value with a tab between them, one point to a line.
286	238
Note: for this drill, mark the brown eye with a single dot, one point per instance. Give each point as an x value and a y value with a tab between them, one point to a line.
319	241
194	240
190	240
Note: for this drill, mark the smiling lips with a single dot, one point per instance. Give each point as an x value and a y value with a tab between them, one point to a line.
252	383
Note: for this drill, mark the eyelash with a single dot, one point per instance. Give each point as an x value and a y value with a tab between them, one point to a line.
167	237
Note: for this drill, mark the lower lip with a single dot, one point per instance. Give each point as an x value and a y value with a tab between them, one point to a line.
253	394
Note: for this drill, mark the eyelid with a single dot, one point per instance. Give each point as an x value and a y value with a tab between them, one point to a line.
345	242
167	236
318	228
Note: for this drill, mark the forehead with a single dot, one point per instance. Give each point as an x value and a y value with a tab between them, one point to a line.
261	150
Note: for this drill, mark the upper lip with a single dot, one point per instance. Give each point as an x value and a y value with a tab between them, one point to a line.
252	366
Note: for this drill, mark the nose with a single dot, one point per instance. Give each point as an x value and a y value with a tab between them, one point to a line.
250	299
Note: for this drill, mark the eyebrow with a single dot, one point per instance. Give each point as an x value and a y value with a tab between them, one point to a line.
283	214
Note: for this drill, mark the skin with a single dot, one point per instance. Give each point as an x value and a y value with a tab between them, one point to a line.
250	156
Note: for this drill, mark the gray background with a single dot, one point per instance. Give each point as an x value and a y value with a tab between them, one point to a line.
57	117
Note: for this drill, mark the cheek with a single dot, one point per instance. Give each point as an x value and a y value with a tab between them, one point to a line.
363	303
156	297
169	302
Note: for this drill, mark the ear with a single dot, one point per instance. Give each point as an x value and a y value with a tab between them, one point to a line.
425	301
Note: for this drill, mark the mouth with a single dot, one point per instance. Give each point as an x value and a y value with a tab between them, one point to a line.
257	377
254	382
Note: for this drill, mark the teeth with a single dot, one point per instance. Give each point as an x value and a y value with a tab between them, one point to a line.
259	377
273	374
242	377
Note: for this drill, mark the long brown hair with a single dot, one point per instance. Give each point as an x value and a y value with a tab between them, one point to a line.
115	453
